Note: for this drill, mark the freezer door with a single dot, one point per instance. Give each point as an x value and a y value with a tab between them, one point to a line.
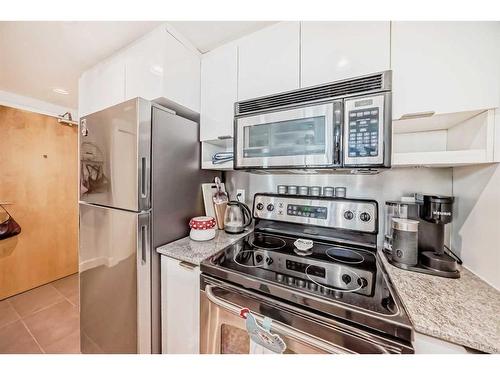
115	295
115	156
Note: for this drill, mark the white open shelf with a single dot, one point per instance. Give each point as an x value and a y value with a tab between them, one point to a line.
209	148
444	140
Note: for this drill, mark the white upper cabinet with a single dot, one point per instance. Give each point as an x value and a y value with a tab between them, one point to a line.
160	66
157	67
102	86
444	67
145	61
181	80
331	51
219	75
269	61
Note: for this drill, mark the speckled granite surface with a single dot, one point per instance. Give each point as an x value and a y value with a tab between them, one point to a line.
464	311
195	251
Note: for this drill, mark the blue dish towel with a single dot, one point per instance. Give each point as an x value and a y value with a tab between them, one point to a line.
222	157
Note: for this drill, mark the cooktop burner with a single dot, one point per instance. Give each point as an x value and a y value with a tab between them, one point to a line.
343	255
266	242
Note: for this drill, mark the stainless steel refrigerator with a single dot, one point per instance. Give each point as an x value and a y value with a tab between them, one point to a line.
140	183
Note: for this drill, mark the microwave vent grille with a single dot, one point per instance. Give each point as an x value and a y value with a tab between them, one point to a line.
338	89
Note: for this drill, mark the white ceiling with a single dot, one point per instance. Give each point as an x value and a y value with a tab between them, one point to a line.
36	57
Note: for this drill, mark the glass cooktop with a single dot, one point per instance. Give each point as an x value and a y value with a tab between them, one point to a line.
339	274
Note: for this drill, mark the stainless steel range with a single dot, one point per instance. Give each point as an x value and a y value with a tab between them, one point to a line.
311	265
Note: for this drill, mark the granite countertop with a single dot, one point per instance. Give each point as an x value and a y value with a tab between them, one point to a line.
464	311
195	252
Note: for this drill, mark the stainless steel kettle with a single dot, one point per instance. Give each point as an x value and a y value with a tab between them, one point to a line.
237	217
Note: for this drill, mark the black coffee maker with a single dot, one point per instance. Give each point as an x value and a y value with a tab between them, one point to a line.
433	212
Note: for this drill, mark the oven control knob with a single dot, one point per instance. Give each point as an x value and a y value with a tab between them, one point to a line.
362	282
280	278
259	258
348	215
269	261
270	207
313	286
365	216
260	206
301	283
346	279
290	280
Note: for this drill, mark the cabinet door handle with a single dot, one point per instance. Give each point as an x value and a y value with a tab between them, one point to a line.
408	116
187	265
221	137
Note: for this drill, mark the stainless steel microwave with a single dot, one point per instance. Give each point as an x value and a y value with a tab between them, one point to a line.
344	124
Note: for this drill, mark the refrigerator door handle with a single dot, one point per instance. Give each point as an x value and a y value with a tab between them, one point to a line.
144	177
144	243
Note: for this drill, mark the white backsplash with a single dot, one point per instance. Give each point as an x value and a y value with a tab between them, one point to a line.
387	185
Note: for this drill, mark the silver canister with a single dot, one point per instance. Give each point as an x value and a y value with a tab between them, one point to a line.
405	241
303	190
328	191
340	192
292	189
282	189
315	191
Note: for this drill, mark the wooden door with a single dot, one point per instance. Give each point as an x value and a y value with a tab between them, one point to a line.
38	174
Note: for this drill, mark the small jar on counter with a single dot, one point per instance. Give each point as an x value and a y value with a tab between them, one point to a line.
202	228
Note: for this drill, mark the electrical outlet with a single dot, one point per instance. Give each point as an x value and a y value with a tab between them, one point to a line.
240	195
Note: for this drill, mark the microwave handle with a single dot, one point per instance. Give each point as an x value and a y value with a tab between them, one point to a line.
336	146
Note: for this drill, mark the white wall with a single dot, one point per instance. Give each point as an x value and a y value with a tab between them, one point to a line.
476	225
388	185
34	105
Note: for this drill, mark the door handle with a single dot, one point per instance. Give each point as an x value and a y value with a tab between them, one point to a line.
144	177
144	244
187	265
276	326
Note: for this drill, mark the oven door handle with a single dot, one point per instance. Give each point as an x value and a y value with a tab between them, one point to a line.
277	327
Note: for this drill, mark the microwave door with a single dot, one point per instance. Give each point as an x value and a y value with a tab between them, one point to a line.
294	138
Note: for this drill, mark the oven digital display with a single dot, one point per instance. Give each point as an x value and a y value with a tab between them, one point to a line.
363	132
301	267
314	212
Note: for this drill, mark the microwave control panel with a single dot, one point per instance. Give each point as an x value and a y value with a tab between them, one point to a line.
363	132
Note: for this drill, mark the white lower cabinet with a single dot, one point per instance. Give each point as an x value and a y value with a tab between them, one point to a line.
424	344
180	307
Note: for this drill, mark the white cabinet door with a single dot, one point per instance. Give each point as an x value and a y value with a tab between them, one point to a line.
180	307
181	74
444	67
145	66
102	86
219	85
269	61
331	51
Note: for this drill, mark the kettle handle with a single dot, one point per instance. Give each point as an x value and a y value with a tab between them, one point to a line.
246	212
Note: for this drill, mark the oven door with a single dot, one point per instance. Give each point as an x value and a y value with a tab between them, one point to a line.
300	137
222	330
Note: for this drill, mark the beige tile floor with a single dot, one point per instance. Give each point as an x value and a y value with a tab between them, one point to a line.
42	320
